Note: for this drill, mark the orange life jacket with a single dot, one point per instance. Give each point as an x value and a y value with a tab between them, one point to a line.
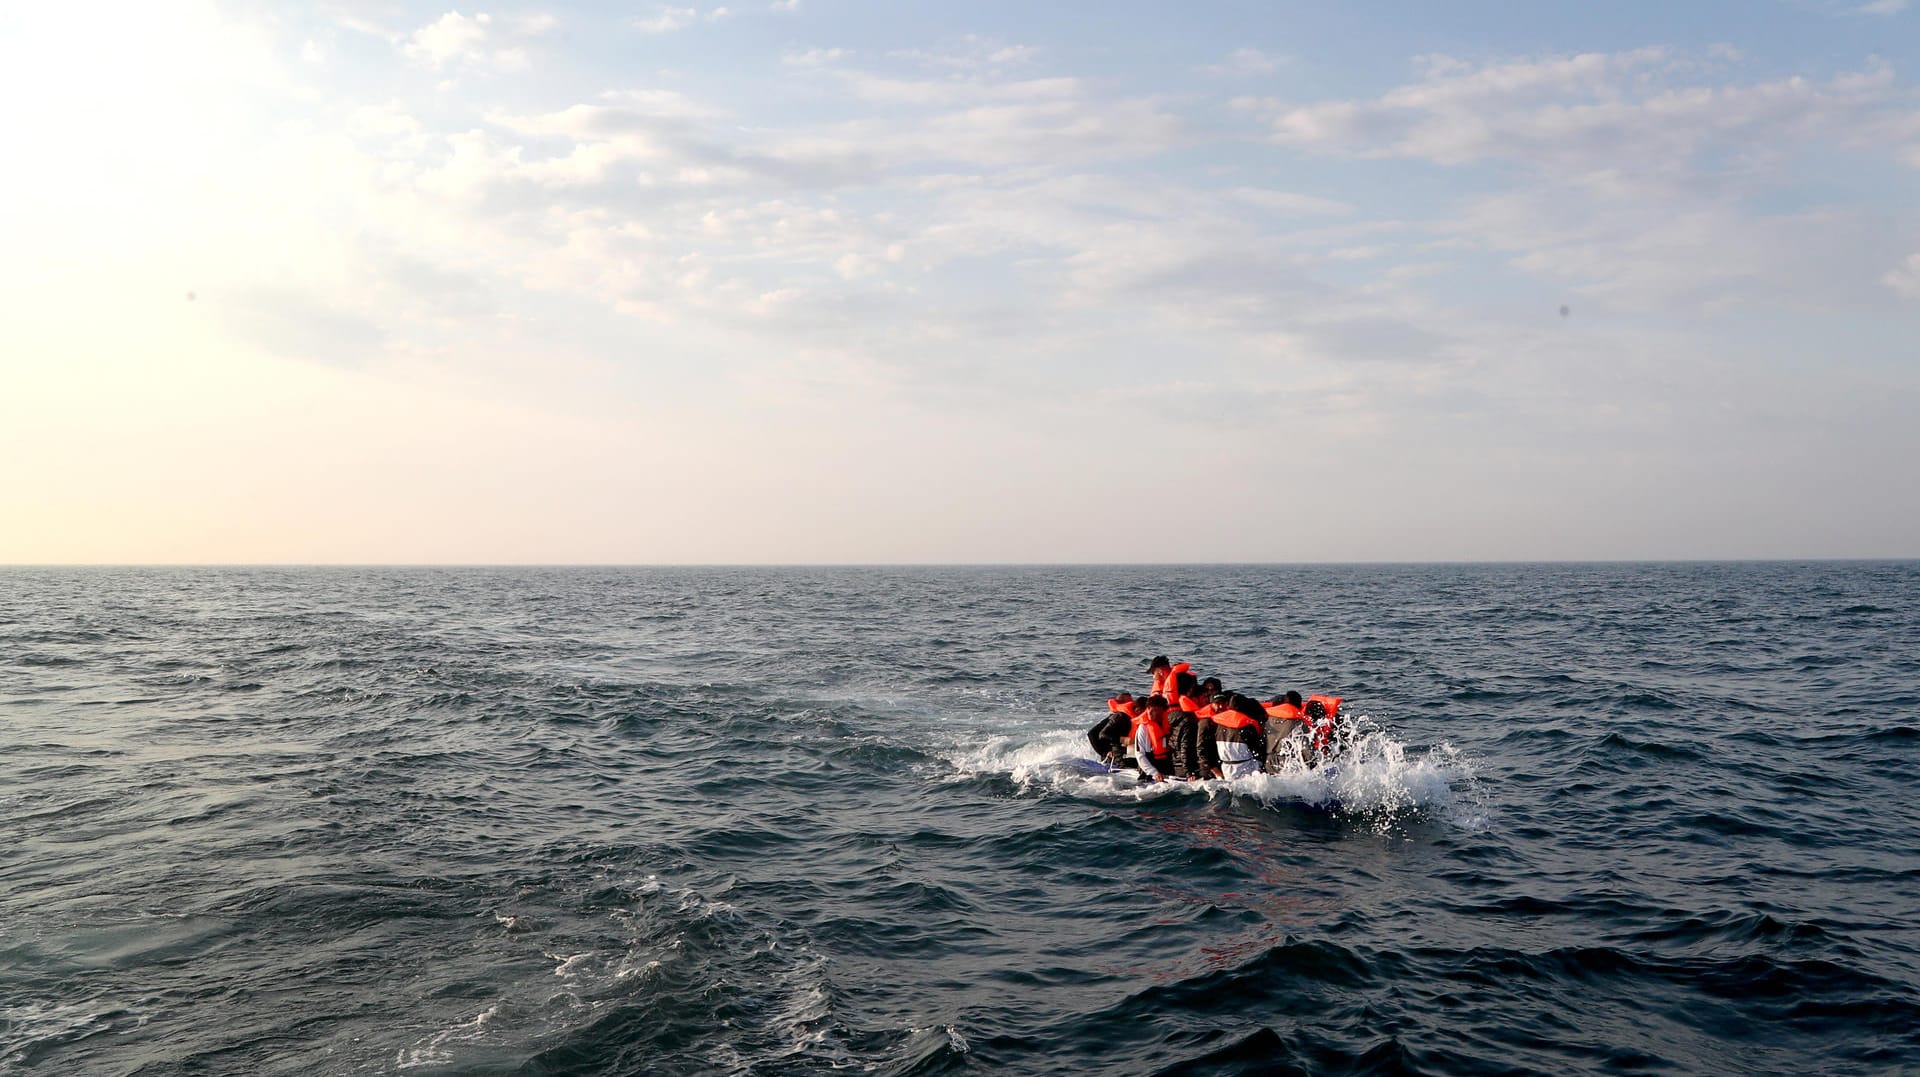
1163	681
1232	719
1131	708
1198	706
1156	733
1285	711
1323	729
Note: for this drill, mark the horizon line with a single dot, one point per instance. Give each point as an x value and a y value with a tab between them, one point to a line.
959	564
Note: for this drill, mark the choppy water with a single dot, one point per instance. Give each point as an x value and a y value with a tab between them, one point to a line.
1619	818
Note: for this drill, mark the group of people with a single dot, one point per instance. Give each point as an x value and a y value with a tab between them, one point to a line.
1186	729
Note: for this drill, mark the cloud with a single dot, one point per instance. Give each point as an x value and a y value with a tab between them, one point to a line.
669	19
1904	279
1628	111
1242	62
1045	132
953	91
1884	7
815	57
868	236
1652	250
451	37
1290	202
1644	184
455	40
669	135
986	122
973	53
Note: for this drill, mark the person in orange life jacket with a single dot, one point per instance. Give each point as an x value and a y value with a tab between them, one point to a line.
1320	715
1183	727
1211	692
1284	717
1150	751
1210	732
1287	706
1203	704
1163	672
1109	736
1239	737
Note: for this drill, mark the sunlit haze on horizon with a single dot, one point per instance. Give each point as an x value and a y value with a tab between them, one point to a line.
869	282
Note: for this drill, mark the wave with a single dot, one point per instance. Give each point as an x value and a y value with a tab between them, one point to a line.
1729	926
687	983
31	1030
1898	734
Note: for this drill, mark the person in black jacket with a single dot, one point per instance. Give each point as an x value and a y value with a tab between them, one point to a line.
1112	735
1183	728
1240	737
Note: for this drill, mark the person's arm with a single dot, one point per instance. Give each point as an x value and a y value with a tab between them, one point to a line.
1209	748
1143	755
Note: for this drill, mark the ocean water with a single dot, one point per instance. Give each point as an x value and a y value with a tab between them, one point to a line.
1624	818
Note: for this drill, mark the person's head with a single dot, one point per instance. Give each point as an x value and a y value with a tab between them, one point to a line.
1183	684
1315	710
1157	663
1157	704
1210	685
1221	700
1124	697
1248	706
1290	697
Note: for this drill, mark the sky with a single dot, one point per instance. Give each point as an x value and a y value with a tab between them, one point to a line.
870	281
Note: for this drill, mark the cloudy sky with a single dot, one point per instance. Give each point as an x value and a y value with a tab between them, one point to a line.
878	281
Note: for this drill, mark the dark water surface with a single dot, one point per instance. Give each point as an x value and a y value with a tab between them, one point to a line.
1604	818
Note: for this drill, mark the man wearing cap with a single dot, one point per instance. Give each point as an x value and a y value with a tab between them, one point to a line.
1163	673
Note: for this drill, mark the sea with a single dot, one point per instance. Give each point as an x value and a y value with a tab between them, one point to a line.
1638	818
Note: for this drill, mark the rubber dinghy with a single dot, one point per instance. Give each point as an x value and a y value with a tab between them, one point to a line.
1239	739
1296	750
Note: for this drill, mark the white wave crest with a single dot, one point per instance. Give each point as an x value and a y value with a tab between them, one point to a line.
28	1026
438	1050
